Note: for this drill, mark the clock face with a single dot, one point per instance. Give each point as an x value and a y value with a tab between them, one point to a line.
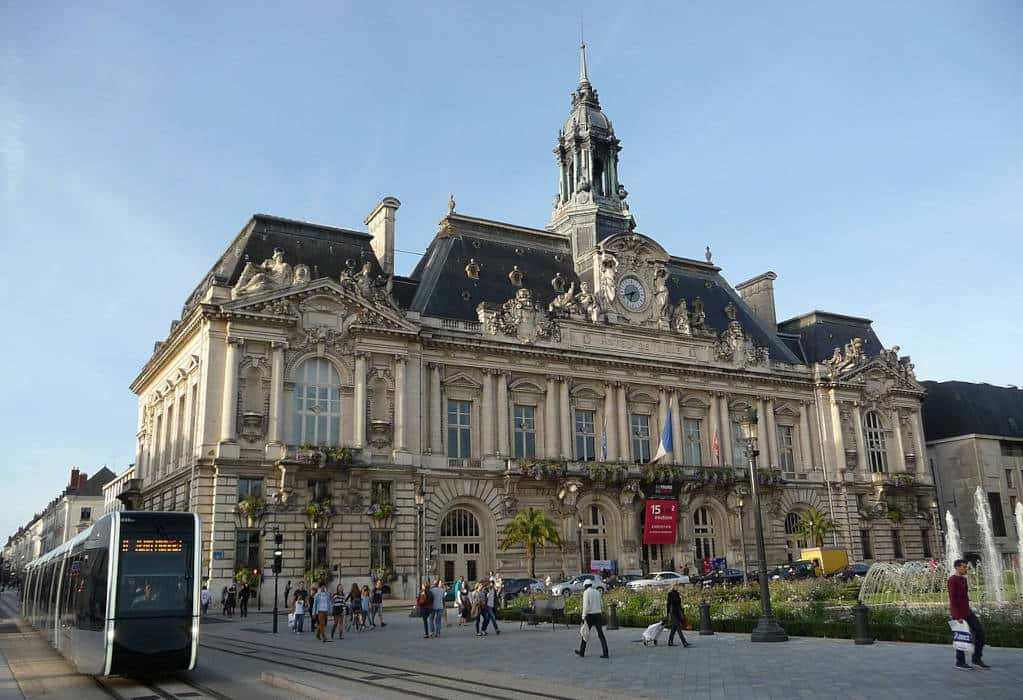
631	293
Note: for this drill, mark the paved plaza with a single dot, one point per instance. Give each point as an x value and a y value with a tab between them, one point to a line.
398	662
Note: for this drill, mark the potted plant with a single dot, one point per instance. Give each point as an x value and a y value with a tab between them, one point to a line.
252	507
895	515
381	511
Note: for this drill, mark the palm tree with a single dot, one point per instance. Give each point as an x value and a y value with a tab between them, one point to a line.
814	525
530	527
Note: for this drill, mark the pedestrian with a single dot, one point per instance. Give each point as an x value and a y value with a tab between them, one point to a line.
489	600
685	570
355	605
243	600
498	590
676	616
478	601
459	584
437	599
464	606
547	582
376	609
204	600
299	611
223	601
425	605
232	597
959	606
287	593
593	616
322	605
365	606
337	603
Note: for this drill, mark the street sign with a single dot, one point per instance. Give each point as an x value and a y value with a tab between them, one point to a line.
218	554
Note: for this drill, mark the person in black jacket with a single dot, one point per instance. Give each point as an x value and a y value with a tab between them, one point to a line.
676	618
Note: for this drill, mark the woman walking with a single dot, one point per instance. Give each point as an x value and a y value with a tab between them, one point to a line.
337	603
365	606
676	617
299	612
479	604
425	608
464	606
322	606
355	606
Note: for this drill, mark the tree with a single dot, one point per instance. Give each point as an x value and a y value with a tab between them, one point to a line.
530	527
814	525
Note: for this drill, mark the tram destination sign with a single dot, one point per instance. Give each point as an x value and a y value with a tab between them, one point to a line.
152	545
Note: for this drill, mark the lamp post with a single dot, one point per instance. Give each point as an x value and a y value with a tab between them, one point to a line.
420	501
937	527
579	534
742	540
767	629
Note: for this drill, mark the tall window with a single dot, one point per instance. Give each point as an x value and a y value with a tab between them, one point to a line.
640	438
524	423
380	550
182	421
877	455
194	419
786	453
994	500
460	522
249	488
896	544
1008	478
739	457
315	549
703	530
585	444
246	550
925	538
158	460
693	453
317	403
868	552
380	492
595	535
168	437
319	489
459	429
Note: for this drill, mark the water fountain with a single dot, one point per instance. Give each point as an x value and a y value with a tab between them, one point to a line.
1019	549
953	549
993	563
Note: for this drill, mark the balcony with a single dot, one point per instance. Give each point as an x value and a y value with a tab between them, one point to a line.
320	456
463	463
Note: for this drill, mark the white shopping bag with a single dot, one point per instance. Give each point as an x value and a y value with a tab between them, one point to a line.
291	621
584	631
962	638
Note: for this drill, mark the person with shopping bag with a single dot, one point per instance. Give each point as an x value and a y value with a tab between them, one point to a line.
593	616
965	621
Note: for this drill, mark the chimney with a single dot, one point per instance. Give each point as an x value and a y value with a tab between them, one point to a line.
73	484
758	293
82	478
381	227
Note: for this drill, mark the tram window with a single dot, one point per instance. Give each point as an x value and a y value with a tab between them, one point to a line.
72	579
153	583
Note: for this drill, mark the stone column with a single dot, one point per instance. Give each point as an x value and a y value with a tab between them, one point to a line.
276	392
609	427
861	443
899	465
714	414
772	434
566	420
503	447
487	414
676	428
918	441
359	415
399	402
837	436
229	413
762	445
805	450
624	439
435	410
726	432
552	448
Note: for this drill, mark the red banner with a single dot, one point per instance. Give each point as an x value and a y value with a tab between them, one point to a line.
661	523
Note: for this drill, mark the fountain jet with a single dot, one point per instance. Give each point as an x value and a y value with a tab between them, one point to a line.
1019	549
993	565
953	550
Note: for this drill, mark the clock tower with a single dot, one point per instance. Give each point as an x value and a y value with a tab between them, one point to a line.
590	205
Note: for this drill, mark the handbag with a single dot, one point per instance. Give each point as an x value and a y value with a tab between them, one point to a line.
962	638
584	631
291	621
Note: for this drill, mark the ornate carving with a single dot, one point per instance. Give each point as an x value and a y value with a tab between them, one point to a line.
735	346
520	317
272	273
472	269
627	496
516	276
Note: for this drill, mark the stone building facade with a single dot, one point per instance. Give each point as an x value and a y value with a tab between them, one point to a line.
307	387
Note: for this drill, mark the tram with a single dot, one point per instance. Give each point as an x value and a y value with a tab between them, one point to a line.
122	597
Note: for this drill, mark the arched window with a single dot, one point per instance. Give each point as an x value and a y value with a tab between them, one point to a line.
460	545
317	404
877	454
595	535
460	523
703	531
793	542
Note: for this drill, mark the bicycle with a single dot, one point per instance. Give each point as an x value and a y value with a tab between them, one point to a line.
354	617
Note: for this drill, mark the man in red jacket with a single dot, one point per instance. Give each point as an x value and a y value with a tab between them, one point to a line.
959	606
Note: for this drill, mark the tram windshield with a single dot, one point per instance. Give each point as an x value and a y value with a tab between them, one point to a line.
155	569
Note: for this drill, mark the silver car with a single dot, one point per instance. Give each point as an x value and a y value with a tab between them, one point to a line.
658	579
576	583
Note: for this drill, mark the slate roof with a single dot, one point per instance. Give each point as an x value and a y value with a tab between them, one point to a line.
963	408
93	486
820	332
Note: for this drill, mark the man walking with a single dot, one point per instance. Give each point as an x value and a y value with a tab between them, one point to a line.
204	600
287	593
438	608
243	600
321	608
676	618
489	598
593	605
376	606
959	606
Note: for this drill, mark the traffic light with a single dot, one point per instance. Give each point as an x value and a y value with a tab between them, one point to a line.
278	553
255	572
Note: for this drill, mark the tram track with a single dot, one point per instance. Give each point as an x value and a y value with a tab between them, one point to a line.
409	681
125	688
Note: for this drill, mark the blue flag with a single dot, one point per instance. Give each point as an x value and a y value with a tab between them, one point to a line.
666	448
603	436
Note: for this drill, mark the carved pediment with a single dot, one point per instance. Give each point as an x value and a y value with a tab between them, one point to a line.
880	377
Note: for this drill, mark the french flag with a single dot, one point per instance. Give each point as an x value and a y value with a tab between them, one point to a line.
666	448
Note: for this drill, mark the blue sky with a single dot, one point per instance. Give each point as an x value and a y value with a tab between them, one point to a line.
871	155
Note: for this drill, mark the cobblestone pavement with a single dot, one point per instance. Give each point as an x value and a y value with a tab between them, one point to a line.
718	666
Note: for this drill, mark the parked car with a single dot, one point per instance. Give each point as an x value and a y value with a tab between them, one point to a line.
722	577
658	579
852	572
515	586
575	584
623	580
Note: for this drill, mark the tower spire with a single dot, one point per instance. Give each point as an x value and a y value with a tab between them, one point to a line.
583	77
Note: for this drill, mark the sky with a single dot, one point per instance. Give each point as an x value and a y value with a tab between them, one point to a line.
871	155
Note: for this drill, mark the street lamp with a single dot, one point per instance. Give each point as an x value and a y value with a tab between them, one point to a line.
420	535
579	534
742	540
937	526
767	629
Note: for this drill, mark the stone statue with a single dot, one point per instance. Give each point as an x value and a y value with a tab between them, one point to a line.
608	271
272	273
586	302
707	254
364	280
699	317
472	269
564	303
451	203
348	275
680	322
301	275
661	296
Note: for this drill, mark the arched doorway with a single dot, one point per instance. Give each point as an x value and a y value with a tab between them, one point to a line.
460	545
595	533
704	536
794	541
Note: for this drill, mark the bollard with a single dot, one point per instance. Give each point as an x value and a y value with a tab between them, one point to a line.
861	614
612	615
705	626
